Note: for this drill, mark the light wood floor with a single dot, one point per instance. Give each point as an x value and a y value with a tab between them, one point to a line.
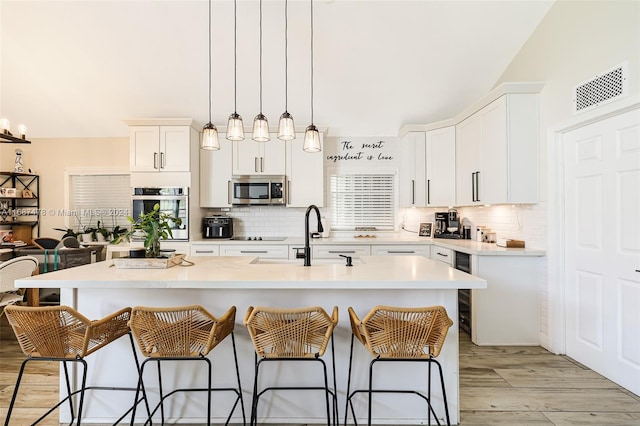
499	385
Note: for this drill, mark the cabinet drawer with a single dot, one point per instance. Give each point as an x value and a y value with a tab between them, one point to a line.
205	250
331	252
393	250
443	255
258	250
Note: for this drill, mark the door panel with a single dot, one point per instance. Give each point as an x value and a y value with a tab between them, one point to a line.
602	247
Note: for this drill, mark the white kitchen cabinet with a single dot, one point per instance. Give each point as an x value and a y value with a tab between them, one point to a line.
441	167
215	175
205	250
441	254
412	173
497	151
259	158
334	251
161	148
267	251
305	174
400	250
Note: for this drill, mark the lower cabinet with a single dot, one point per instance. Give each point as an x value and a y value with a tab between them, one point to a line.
205	250
267	251
400	250
443	255
334	251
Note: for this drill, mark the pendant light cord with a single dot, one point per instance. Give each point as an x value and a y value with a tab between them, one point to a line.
209	61
311	61
260	56
235	57
286	56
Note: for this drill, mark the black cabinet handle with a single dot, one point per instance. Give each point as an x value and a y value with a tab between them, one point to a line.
477	186
473	187
253	251
413	191
428	191
341	251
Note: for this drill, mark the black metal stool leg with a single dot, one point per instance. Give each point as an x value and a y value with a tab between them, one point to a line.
15	392
254	401
444	392
235	358
348	398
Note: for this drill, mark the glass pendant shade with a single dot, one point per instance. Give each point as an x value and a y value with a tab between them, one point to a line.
235	128
312	139
261	129
286	129
210	137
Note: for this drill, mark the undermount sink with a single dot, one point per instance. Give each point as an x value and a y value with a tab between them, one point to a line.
338	261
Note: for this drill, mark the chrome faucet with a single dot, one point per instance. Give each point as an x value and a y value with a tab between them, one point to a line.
307	248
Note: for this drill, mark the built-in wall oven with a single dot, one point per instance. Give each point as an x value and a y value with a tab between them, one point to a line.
462	261
172	200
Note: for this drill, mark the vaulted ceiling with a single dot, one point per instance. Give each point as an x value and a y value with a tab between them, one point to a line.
77	69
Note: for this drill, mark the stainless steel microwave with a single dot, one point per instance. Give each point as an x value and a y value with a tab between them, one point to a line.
258	190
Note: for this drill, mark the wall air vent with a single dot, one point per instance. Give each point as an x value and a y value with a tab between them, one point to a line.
606	87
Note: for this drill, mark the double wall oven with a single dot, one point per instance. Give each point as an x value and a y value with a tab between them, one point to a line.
173	201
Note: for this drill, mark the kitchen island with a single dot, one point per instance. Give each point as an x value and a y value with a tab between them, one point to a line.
219	282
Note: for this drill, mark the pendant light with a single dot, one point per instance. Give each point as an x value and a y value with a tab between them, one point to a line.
311	135
209	132
235	128
286	128
260	123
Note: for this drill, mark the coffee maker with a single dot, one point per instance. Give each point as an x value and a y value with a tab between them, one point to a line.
447	225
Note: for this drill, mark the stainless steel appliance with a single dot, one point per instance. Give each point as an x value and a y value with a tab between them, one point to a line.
173	201
217	227
258	190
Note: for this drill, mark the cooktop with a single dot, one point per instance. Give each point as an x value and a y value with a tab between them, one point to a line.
251	238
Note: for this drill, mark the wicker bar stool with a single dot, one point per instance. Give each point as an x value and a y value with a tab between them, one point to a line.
184	333
400	335
60	333
299	334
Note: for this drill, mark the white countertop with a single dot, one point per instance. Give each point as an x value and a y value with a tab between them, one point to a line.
465	246
241	272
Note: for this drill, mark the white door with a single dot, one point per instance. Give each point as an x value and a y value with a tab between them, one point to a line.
602	247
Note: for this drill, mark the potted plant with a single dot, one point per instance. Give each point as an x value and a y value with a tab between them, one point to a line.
154	226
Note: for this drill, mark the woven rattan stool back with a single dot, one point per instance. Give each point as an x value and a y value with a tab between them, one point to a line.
290	333
179	331
393	332
62	332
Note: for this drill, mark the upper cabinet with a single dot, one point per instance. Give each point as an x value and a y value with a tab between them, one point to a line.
428	174
413	176
497	151
258	158
215	175
440	163
305	174
162	145
160	148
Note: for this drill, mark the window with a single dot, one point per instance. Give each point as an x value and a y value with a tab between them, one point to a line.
362	200
99	197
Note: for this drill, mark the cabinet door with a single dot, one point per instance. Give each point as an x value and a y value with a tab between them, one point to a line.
468	161
305	175
334	252
258	158
215	175
257	250
413	179
144	148
400	250
441	167
493	188
175	148
273	156
246	156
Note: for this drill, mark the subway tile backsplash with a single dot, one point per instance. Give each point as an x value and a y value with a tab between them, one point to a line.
526	222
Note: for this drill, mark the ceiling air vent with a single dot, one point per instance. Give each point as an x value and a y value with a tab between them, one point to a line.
601	89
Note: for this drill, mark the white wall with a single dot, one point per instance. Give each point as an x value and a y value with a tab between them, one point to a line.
575	42
48	158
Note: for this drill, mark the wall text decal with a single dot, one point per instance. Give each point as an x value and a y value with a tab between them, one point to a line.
365	151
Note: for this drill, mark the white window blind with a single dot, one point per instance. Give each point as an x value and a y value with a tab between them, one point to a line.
101	197
362	200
